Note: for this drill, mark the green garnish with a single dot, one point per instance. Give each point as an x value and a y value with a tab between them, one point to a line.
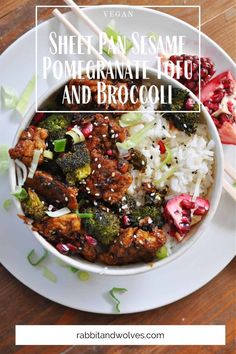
153	35
135	139
119	291
25	96
130	119
47	273
59	145
73	269
9	98
166	175
83	276
84	215
4	159
234	184
111	33
32	257
162	252
167	159
21	194
7	203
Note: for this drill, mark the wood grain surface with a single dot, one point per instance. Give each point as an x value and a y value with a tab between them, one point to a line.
212	304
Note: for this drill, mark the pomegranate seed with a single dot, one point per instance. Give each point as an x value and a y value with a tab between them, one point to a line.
230	106
123	166
161	147
91	240
189	104
187	204
199	211
125	220
71	247
109	152
62	248
87	129
38	117
185	220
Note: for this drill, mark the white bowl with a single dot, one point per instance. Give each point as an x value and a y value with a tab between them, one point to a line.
179	249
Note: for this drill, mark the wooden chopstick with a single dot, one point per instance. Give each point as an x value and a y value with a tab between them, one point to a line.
67	24
81	14
229	188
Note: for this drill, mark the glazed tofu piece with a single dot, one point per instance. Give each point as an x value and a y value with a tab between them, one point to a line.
54	191
31	139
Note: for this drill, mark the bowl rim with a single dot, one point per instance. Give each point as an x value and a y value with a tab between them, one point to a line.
135	268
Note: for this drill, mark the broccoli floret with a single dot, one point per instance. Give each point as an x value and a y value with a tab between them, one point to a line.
186	122
79	174
56	124
33	206
104	226
153	212
75	165
138	160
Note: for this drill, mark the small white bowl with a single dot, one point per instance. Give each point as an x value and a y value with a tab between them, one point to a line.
179	249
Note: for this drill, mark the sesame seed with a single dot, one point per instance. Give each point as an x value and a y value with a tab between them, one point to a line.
113	174
109	198
97	194
103	135
151	157
112	190
66	199
96	158
99	165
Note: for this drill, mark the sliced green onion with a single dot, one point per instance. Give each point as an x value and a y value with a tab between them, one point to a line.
83	276
6	204
32	257
168	158
47	273
58	213
9	98
114	35
76	135
135	139
25	96
59	145
130	119
162	252
48	154
166	176
234	184
107	51
113	291
153	35
4	159
73	269
21	194
127	43
85	215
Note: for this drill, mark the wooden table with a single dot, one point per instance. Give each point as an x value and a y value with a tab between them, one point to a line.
212	304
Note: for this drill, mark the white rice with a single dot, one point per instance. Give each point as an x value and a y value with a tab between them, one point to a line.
193	159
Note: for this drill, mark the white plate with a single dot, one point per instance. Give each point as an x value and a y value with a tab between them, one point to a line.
207	257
